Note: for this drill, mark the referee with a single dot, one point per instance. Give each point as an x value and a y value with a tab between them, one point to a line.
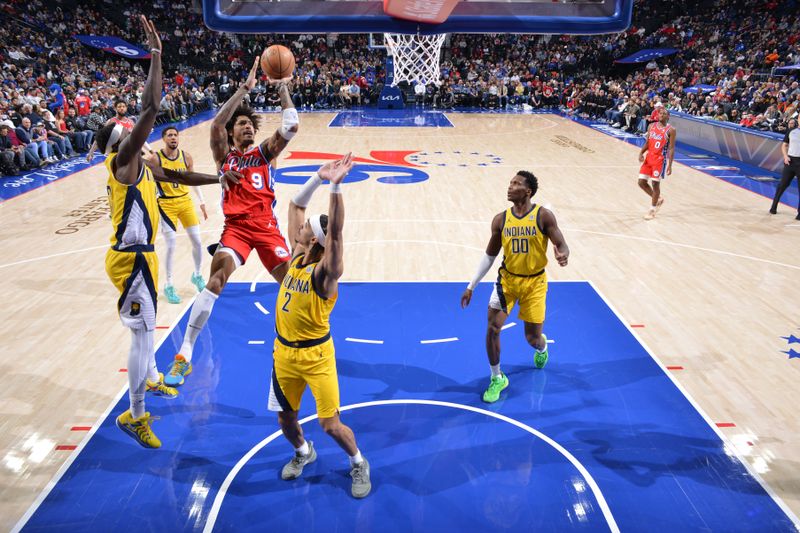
791	167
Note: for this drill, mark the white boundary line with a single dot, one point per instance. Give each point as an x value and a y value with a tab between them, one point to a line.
256	342
74	455
437	341
363	341
697	407
223	489
335	116
452	125
262	308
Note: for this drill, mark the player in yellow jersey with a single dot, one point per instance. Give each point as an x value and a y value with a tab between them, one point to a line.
303	351
522	231
131	263
176	205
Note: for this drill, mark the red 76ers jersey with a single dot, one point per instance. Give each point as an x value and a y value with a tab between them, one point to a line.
657	141
254	194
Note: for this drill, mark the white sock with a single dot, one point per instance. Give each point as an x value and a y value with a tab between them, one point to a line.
197	247
201	310
356	459
169	238
138	360
495	370
303	450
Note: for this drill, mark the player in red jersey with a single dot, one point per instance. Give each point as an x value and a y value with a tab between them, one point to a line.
250	223
657	165
126	122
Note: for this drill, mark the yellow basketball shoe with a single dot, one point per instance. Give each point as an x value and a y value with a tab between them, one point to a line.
178	370
139	429
160	389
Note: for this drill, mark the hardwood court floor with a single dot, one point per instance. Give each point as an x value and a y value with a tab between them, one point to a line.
713	279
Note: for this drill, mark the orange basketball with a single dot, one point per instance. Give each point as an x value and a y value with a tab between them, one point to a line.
277	62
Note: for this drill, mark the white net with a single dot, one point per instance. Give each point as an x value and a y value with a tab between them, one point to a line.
416	57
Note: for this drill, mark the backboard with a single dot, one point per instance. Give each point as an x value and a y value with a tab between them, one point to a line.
368	16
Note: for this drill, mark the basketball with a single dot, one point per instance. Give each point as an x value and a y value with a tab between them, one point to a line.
277	62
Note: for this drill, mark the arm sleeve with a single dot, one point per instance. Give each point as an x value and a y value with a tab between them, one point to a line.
303	196
483	268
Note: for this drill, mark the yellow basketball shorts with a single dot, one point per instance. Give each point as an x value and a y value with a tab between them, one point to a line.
531	293
294	368
135	275
175	209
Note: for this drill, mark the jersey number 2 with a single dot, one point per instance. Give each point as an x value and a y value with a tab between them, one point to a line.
288	299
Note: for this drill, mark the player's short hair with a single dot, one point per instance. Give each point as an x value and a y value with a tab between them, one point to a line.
119	101
103	135
317	248
168	128
530	181
242	110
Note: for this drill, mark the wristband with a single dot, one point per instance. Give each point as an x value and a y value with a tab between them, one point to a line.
336	188
155	51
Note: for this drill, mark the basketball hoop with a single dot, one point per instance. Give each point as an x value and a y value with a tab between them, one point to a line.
416	57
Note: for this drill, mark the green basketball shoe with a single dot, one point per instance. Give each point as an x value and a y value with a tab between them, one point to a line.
540	358
497	384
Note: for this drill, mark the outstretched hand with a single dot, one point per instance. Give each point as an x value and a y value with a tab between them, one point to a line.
336	171
153	40
250	82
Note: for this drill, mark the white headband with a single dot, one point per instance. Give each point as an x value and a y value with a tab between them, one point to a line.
316	227
113	138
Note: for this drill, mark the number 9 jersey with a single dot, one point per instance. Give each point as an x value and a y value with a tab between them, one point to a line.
250	222
255	193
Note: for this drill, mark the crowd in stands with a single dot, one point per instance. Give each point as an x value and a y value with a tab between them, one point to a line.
56	92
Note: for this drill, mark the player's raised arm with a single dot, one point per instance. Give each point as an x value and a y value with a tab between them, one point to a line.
151	98
290	123
219	135
553	232
298	204
331	267
492	250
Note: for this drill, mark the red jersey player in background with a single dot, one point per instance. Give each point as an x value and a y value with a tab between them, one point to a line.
657	165
250	223
126	122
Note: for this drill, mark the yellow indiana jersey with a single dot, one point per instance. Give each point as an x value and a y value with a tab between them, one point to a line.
134	210
301	313
172	189
524	243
